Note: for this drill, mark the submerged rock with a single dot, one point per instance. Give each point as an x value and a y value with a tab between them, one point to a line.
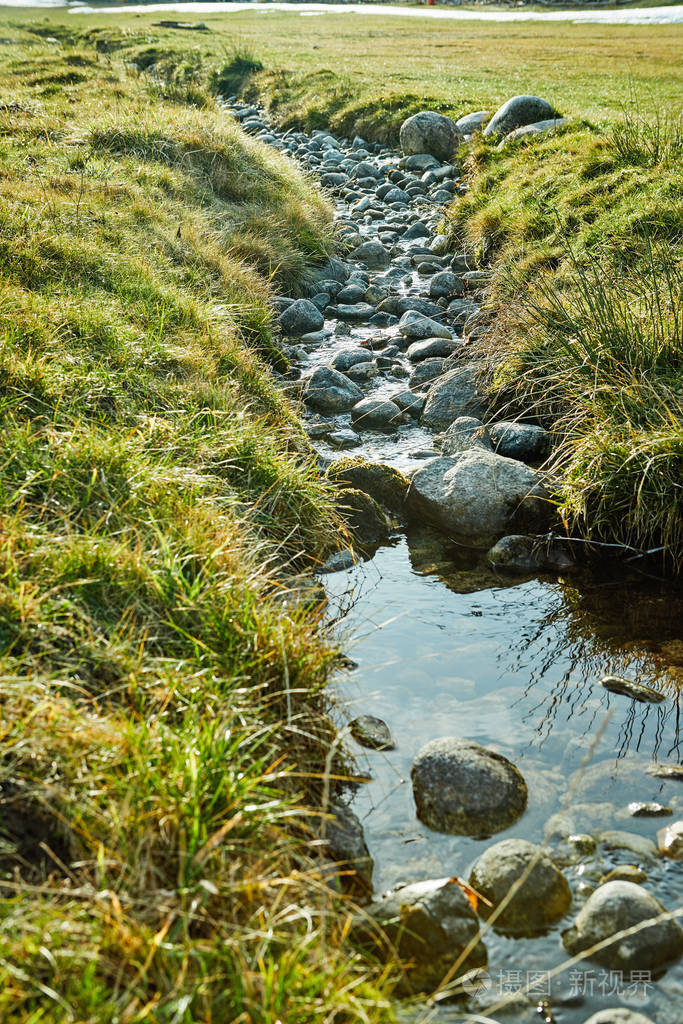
461	787
371	732
429	925
615	907
519	553
629	688
429	132
345	843
541	901
479	496
364	518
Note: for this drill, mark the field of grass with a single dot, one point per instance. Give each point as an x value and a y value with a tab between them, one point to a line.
163	715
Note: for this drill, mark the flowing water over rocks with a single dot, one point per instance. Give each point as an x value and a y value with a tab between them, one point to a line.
510	648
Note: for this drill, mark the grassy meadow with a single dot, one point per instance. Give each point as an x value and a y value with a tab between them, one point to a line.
163	720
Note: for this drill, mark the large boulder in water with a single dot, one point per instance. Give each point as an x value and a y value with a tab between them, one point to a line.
542	899
462	788
615	907
480	496
519	111
429	925
429	132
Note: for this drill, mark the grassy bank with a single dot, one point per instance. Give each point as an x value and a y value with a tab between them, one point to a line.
163	720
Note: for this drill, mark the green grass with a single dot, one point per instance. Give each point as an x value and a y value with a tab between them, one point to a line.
163	720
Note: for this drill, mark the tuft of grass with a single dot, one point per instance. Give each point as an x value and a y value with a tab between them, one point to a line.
165	732
232	76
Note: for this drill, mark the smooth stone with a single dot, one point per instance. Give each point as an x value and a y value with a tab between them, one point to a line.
523	441
387	485
414	324
345	843
666	771
413	304
614	839
349	357
517	112
479	496
618	1015
455	395
617	906
317	430
432	347
418	230
429	924
427	373
419	162
429	132
471	123
330	391
373	254
351	293
540	902
629	688
463	433
625	873
356	313
342	439
648	809
408	402
444	284
376	414
538	128
519	553
321	300
371	732
670	840
301	317
462	788
360	373
364	169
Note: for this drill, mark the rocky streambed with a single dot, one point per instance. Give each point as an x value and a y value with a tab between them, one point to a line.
517	717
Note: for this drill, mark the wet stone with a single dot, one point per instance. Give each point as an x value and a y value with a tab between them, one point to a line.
523	441
301	317
330	391
376	414
345	843
462	788
648	809
356	313
343	439
371	732
625	873
629	688
349	357
387	485
416	325
431	348
670	840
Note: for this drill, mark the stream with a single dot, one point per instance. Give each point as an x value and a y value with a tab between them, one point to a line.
443	645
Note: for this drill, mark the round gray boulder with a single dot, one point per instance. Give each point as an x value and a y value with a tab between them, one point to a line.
519	111
376	414
462	788
429	132
543	898
302	317
480	496
615	907
330	391
418	326
523	441
463	433
456	394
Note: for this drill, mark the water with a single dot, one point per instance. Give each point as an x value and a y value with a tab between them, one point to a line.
632	16
444	647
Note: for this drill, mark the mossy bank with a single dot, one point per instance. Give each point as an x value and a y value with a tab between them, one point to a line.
163	718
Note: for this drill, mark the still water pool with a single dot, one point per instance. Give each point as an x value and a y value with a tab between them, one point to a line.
445	647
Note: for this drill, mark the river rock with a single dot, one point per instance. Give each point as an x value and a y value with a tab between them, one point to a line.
518	111
356	313
463	433
462	788
373	254
371	732
538	128
361	373
618	1015
629	688
302	317
376	414
343	439
519	553
670	840
522	441
648	809
666	771
456	394
427	373
364	518
471	123
330	391
349	357
345	843
432	347
444	284
615	839
429	924
543	899
478	496
351	293
430	132
387	485
614	907
414	324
